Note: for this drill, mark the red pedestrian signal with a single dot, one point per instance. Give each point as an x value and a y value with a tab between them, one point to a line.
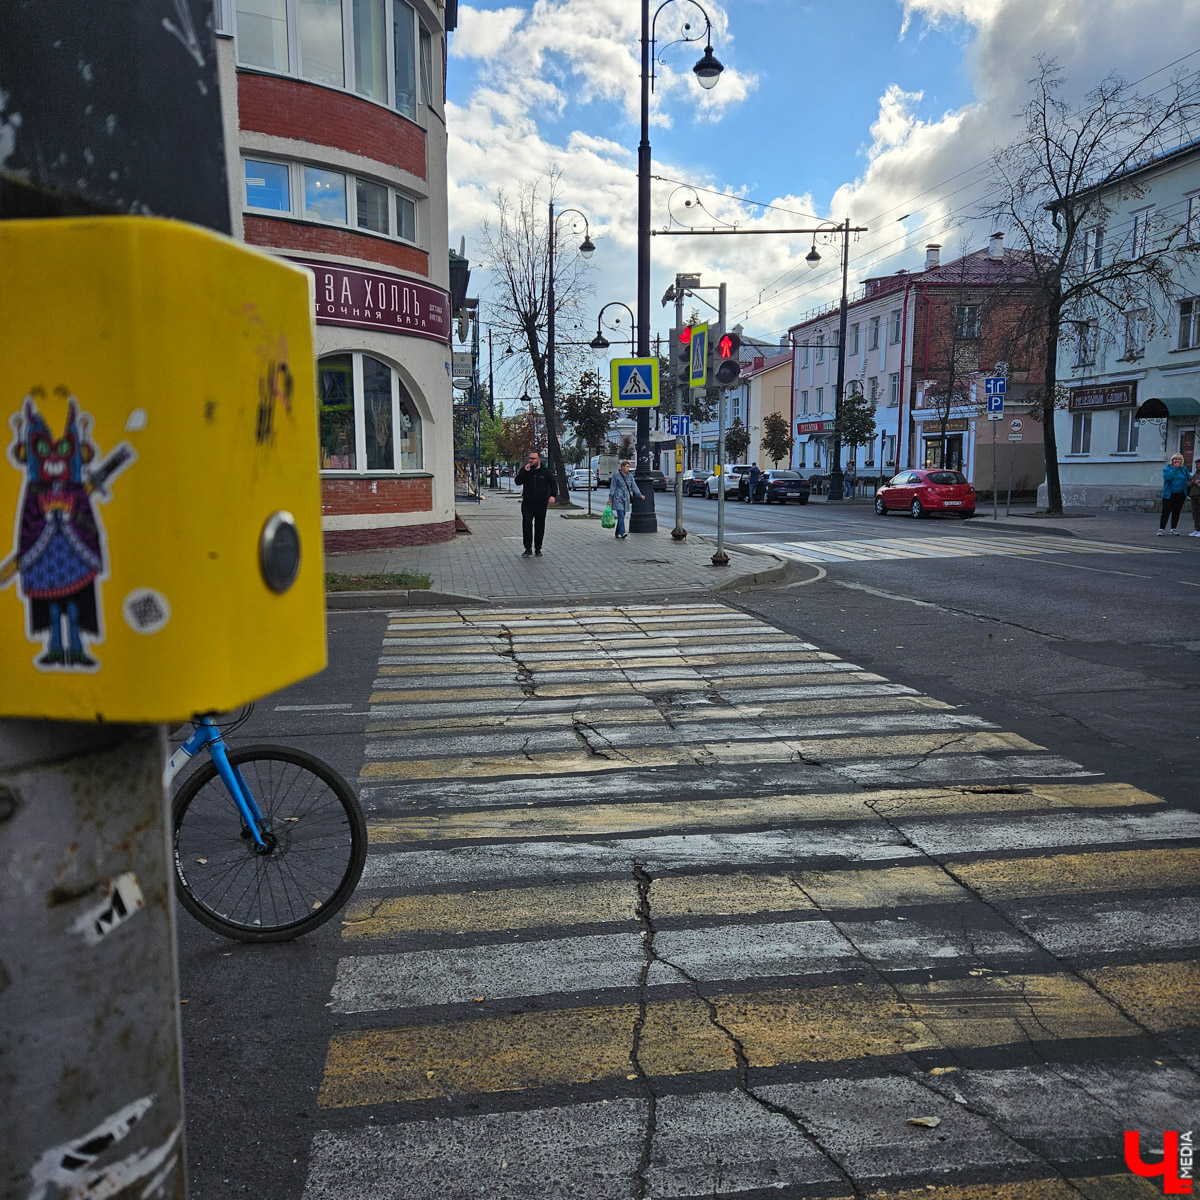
685	335
728	345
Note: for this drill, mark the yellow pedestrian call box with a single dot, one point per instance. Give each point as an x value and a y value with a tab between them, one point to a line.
160	516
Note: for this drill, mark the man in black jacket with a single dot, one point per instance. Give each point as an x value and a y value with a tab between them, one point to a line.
538	489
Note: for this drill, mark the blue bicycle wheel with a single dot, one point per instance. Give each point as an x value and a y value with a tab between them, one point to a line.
315	839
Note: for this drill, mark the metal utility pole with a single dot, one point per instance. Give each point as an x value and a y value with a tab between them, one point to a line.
678	533
721	559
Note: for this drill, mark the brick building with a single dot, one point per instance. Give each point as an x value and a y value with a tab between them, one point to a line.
336	153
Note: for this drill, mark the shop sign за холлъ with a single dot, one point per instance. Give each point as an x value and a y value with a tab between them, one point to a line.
374	300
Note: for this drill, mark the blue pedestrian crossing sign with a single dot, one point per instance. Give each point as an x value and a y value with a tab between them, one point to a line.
635	382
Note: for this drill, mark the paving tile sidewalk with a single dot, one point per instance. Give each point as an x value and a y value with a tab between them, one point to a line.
581	561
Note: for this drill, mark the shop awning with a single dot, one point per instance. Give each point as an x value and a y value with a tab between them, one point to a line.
1169	406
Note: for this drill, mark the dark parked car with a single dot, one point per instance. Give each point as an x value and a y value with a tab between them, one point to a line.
658	480
924	491
782	486
693	482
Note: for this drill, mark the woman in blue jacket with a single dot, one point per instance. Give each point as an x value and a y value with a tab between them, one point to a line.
1175	484
621	492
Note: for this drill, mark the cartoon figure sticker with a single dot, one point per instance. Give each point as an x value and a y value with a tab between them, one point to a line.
59	557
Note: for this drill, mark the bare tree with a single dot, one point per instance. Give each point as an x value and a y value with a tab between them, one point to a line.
517	244
1052	188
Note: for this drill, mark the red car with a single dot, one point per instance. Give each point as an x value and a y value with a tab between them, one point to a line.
935	489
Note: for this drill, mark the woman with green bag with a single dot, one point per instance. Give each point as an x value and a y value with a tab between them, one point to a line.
621	492
607	520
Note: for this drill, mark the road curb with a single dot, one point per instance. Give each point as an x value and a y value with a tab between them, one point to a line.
401	598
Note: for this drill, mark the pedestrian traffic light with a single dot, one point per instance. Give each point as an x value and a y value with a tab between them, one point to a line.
729	367
681	355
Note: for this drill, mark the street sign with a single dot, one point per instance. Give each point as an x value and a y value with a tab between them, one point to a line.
463	365
635	382
994	385
698	373
1015	437
993	389
679	425
1016	425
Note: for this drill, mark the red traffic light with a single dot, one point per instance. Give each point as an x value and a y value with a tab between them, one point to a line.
685	335
728	345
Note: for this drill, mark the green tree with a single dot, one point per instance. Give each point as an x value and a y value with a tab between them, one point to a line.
777	437
737	441
856	422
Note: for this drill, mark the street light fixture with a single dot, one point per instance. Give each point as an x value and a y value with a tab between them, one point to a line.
585	248
600	342
827	231
707	71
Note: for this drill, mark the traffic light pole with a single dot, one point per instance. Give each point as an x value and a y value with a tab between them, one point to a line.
721	559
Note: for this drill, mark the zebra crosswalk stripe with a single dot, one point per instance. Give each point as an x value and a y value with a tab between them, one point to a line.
616	899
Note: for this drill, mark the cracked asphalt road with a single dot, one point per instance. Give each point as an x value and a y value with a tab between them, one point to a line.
652	911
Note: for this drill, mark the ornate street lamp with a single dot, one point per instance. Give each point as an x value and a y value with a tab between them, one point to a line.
600	342
707	71
585	248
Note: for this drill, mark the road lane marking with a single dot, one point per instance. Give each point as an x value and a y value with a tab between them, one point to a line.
824	1023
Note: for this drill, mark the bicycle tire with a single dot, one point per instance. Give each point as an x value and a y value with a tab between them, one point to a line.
228	885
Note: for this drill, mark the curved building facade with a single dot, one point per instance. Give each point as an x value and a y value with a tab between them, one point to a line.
335	140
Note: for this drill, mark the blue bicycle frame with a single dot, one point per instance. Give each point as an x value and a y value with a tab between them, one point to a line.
207	734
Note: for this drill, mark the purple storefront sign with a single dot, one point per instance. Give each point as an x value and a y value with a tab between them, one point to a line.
1117	395
373	300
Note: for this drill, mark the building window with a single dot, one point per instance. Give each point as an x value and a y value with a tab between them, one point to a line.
801	454
1189	323
268	185
966	321
1092	248
325	195
873	388
322	54
1135	333
820	400
869	461
309	38
1081	433
1127	431
262	39
366	416
804	401
1087	334
275	186
889	449
894	326
873	334
853	348
893	390
804	356
820	356
1139	232
1191	229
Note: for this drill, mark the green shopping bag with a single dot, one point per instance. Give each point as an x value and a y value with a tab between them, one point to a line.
607	519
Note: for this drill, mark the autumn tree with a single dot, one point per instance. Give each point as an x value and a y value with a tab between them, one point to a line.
1052	188
856	421
517	241
737	441
777	439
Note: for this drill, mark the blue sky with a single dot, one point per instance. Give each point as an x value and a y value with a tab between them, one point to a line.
874	109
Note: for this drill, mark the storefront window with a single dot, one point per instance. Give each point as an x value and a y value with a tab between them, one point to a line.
1127	431
363	397
335	395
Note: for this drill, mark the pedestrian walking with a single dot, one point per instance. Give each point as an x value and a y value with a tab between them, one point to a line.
1174	489
850	481
538	489
1194	496
755	474
621	492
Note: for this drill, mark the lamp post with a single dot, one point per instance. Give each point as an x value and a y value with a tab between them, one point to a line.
600	342
585	248
836	478
707	71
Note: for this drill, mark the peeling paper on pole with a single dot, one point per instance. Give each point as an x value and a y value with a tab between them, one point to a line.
73	1164
121	899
